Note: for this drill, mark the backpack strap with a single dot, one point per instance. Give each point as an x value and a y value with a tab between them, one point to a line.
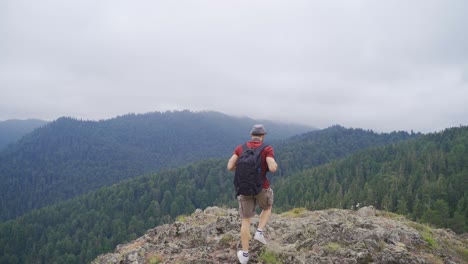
244	146
262	147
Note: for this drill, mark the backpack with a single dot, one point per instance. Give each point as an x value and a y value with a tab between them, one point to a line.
248	178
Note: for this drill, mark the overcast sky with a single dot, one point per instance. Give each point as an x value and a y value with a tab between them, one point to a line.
377	64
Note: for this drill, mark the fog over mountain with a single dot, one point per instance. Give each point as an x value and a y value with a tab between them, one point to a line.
13	130
383	65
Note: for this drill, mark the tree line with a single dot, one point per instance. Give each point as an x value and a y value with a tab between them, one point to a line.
426	180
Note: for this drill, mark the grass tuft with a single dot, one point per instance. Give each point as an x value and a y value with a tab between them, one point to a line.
390	215
332	247
181	218
426	233
269	257
463	252
155	259
226	239
296	212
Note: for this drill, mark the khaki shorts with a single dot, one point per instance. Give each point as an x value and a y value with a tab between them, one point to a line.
247	204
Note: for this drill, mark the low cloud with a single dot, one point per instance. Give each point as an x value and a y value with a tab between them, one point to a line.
385	66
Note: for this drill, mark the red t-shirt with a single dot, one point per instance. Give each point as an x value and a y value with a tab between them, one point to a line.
267	152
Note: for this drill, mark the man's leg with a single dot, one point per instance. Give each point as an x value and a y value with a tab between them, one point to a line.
263	219
247	211
245	234
265	199
247	206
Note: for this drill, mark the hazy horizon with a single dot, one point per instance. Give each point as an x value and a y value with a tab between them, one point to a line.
386	66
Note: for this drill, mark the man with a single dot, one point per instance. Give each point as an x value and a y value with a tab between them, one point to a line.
247	204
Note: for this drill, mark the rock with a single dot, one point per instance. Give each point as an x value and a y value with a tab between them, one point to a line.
367	211
326	236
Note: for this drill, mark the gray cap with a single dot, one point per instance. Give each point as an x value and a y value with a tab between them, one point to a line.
258	129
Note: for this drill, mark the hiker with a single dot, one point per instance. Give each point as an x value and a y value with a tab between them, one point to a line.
264	199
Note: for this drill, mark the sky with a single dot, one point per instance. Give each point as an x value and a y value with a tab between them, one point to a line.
380	65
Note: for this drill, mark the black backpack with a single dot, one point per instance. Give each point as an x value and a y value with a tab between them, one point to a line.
248	178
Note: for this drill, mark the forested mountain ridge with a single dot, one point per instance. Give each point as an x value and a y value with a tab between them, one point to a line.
425	179
314	148
12	130
78	230
69	157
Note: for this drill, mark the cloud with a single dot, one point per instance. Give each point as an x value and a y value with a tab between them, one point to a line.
393	65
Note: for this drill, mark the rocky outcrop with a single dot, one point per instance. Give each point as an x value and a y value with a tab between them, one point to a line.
298	236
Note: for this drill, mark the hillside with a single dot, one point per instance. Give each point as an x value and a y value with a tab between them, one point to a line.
298	236
76	231
69	157
12	130
425	179
315	148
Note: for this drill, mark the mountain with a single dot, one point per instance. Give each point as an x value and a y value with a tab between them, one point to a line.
12	130
425	179
308	150
295	237
69	157
77	230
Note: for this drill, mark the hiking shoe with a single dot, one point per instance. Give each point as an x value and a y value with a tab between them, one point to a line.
260	238
242	259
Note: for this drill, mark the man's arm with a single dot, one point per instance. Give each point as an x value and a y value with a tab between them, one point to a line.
231	166
272	165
